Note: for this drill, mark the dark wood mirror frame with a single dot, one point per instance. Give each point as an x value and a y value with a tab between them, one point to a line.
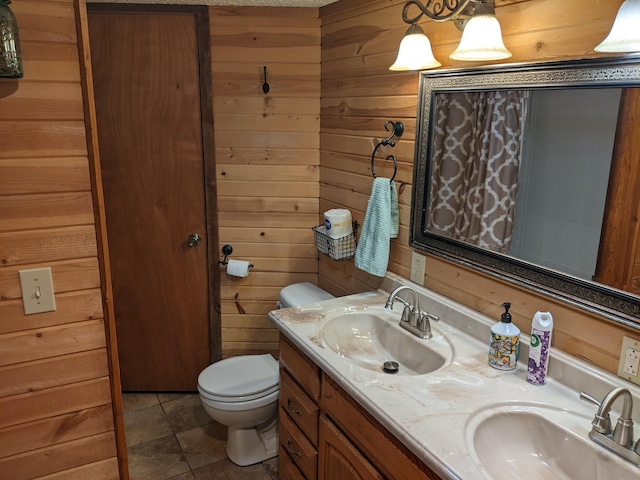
612	303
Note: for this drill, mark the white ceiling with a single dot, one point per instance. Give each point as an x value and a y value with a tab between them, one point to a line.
241	3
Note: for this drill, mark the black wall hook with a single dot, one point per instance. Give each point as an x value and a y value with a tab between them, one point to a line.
265	85
226	251
397	129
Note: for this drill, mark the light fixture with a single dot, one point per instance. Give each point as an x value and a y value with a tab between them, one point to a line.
414	52
624	36
10	55
481	38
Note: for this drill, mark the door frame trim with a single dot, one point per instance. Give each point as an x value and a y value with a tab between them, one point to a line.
97	195
211	193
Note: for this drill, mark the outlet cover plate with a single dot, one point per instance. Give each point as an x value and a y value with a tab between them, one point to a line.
418	265
630	360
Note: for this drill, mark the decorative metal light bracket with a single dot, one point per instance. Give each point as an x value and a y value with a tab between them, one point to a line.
460	11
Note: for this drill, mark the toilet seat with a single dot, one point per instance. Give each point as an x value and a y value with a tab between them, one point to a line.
240	379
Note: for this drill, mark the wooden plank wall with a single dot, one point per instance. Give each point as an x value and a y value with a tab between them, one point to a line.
278	167
267	160
359	42
55	394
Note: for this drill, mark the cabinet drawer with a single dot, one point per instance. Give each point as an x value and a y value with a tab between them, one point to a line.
300	450
300	408
301	368
287	470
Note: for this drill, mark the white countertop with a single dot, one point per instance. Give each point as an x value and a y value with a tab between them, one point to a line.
431	413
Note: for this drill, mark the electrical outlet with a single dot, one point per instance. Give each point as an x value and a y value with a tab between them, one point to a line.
418	263
629	360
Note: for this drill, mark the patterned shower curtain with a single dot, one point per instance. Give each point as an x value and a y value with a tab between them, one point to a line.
476	155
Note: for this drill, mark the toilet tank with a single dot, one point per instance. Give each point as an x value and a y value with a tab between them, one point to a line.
301	294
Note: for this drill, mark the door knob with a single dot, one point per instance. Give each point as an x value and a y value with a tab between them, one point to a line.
194	240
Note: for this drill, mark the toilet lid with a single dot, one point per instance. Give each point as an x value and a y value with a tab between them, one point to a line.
240	378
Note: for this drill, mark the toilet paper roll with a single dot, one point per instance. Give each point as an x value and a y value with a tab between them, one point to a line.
238	268
338	222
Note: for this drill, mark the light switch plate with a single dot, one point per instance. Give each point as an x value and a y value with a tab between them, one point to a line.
630	360
418	265
37	290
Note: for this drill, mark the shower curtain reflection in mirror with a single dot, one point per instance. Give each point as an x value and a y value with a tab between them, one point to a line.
476	155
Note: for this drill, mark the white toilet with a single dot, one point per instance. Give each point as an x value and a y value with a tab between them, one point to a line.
242	392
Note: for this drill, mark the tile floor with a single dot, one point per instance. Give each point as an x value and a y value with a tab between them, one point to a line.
170	436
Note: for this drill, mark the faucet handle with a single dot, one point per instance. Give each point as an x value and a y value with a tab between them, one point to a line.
623	433
424	325
431	316
588	398
600	424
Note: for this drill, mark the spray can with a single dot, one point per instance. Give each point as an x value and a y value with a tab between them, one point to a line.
541	330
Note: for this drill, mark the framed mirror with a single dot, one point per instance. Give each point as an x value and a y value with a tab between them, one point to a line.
531	173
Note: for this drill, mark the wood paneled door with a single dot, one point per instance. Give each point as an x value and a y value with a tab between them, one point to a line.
151	70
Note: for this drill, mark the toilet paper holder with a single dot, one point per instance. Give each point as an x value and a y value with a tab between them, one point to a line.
226	251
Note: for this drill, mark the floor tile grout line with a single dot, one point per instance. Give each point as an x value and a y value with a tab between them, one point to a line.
175	435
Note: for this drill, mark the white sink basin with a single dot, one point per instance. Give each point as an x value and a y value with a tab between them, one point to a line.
532	442
372	337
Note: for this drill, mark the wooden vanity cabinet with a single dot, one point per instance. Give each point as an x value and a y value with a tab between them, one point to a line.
299	413
326	435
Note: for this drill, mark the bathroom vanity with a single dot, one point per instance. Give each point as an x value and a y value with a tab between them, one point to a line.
323	430
446	414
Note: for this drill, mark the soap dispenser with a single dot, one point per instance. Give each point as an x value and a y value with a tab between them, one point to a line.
505	342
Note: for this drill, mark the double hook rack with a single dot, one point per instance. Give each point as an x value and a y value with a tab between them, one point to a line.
397	129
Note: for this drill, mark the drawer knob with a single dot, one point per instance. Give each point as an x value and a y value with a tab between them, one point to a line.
290	450
291	409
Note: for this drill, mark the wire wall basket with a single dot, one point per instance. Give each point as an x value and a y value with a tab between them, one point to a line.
337	249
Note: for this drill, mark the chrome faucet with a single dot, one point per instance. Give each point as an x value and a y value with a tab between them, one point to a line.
620	441
412	319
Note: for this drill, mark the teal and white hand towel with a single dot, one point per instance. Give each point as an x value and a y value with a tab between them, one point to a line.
379	226
395	214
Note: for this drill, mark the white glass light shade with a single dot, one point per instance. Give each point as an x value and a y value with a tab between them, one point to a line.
481	41
625	33
414	52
